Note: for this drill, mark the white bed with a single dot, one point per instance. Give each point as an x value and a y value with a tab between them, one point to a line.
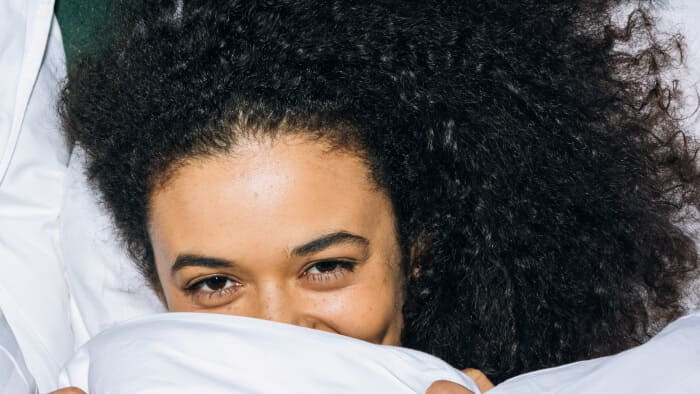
64	279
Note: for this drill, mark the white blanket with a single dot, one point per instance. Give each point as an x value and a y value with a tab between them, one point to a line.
206	353
668	363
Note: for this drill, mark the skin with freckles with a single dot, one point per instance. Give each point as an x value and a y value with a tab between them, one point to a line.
285	230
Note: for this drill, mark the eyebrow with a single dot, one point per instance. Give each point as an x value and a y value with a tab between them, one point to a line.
314	246
328	240
194	260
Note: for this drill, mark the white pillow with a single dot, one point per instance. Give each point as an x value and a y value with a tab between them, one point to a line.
103	280
209	353
14	376
33	159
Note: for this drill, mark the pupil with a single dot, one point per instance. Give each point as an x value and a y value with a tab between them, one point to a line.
216	282
326	266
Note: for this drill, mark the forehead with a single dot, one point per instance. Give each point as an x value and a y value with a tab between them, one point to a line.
267	194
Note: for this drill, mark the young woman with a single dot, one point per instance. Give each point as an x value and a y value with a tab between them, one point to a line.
498	183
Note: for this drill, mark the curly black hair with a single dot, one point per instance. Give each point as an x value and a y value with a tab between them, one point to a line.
532	149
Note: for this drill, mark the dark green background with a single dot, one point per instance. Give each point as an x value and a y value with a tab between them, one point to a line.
79	19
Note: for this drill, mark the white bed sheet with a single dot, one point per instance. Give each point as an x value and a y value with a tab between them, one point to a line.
207	353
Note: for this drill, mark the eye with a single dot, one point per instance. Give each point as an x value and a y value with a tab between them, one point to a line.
212	284
328	269
213	291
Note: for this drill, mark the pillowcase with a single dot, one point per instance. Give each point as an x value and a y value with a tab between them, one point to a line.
103	280
14	376
33	158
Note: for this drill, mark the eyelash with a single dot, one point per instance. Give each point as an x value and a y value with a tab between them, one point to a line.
196	287
339	269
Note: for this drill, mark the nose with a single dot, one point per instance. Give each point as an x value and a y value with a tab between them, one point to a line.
280	303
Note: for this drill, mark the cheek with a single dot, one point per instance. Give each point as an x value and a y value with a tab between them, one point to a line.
370	311
175	300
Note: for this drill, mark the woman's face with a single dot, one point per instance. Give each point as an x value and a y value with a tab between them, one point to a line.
289	231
